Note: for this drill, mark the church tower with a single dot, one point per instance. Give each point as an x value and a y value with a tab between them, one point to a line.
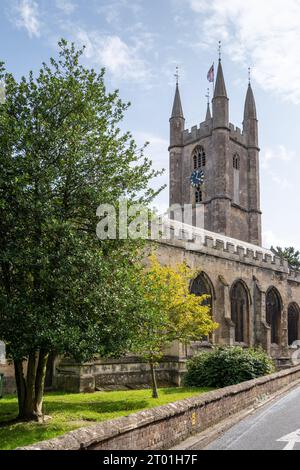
226	158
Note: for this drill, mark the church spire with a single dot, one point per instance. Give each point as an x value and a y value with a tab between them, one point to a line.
177	107
208	113
250	127
250	107
177	119
220	88
220	101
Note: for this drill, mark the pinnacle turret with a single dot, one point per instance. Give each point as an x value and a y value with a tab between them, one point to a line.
208	113
220	87
177	107
250	127
250	107
177	120
220	102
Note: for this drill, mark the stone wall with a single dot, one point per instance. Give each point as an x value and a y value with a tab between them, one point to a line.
9	378
165	426
123	373
224	262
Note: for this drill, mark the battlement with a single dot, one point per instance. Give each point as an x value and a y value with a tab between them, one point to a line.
205	129
197	132
294	276
237	134
198	239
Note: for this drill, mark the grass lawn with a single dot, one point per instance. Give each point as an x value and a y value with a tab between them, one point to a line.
71	411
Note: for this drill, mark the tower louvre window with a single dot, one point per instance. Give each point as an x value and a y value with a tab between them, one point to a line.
199	158
236	162
198	196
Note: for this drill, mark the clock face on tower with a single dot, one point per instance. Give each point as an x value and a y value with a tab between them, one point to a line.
197	178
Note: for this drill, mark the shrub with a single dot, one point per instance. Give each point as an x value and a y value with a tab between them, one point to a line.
227	366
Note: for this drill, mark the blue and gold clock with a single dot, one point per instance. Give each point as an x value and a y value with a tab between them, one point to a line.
197	178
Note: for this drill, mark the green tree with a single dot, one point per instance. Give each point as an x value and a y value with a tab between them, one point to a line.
169	312
62	154
290	254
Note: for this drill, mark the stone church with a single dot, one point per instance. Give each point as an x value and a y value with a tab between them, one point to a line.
254	295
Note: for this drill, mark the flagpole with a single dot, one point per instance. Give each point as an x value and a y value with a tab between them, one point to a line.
214	80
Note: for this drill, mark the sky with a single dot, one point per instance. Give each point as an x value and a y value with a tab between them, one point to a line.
140	43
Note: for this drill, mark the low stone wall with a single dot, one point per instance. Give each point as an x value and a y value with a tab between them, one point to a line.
165	426
116	374
9	378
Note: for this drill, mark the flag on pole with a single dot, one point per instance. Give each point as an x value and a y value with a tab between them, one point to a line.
211	74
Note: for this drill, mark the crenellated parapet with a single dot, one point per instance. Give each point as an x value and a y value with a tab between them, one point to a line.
197	132
201	240
294	276
237	135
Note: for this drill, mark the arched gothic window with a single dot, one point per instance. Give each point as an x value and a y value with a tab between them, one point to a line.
293	323
199	158
273	314
240	312
236	161
201	286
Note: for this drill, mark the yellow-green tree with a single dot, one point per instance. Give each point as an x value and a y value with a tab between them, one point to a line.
169	312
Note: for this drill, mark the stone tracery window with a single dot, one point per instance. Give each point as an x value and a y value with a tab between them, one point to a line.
199	158
240	312
293	323
201	286
273	314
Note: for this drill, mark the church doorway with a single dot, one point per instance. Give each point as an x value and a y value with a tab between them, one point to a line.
293	323
240	312
273	314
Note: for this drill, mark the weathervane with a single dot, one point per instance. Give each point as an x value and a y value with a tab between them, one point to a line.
176	75
220	50
249	75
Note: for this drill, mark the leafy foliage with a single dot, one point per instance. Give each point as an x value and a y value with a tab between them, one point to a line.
62	154
227	366
169	311
290	254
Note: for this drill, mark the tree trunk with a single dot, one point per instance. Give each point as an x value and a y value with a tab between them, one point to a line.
21	386
154	383
28	413
31	390
40	383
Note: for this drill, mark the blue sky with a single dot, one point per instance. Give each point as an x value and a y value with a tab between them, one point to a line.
140	42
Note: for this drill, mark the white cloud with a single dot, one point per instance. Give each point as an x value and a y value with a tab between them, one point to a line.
66	6
113	9
122	60
27	12
277	154
265	34
270	239
281	182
